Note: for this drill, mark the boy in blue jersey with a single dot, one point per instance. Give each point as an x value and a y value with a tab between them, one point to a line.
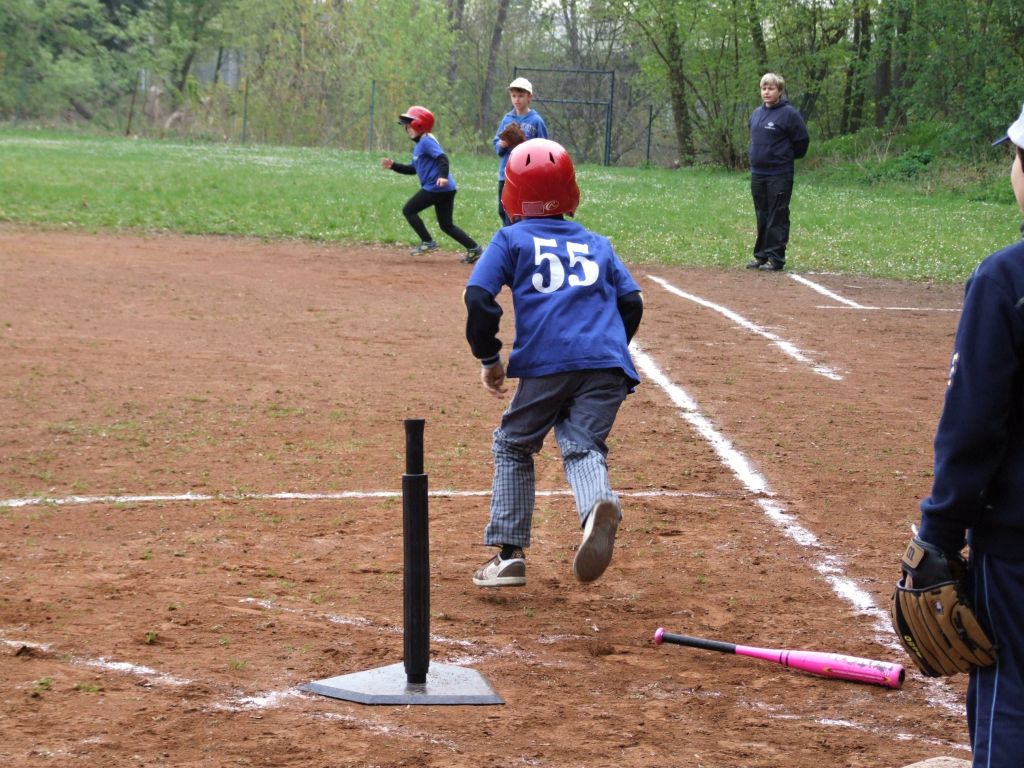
977	493
437	185
520	91
576	308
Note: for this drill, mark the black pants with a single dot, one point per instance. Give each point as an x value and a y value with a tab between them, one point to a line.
771	205
505	220
444	205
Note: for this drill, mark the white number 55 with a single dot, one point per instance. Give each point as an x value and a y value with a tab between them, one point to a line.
577	258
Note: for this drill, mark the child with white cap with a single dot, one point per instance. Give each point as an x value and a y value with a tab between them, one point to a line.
530	126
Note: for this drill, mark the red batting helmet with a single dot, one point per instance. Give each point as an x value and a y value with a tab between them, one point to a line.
420	118
540	180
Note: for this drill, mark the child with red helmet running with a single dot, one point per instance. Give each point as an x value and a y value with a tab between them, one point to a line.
576	308
437	185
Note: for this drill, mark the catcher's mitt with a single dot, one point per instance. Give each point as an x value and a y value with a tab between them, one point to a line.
932	617
512	134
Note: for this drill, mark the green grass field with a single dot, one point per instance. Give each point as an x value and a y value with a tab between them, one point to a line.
697	217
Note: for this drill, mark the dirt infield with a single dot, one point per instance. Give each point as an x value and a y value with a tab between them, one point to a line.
770	466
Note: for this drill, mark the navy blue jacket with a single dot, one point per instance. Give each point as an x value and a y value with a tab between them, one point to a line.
778	136
979	445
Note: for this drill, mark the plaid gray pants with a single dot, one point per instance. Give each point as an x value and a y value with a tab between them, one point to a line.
581	407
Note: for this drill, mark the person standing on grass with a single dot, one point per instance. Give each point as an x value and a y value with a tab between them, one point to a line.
531	126
437	186
778	136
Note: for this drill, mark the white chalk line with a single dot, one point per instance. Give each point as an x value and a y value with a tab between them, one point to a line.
106	665
851	304
391	730
236	702
773	711
825	291
828	565
63	501
756	483
874	730
889	309
787	347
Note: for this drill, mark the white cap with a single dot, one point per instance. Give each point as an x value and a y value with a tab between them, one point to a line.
1014	133
522	84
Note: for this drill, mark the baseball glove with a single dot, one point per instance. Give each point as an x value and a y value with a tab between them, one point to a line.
931	614
512	135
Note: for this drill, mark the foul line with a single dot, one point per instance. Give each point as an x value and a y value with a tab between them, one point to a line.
828	565
850	304
889	309
826	292
787	347
63	501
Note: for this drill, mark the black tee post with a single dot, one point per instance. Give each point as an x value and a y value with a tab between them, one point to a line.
417	556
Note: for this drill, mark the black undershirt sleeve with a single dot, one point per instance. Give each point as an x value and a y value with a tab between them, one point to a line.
482	323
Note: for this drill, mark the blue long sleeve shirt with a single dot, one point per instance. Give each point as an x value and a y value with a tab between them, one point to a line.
978	489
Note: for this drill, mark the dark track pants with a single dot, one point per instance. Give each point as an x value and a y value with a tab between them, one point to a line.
771	205
505	220
995	695
444	206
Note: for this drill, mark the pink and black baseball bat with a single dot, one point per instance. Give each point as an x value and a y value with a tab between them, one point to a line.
816	662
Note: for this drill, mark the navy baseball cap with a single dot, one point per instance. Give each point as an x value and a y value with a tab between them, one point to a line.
1014	133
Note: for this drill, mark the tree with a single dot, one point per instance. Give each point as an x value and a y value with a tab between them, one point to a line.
854	92
757	40
178	32
491	70
52	55
667	26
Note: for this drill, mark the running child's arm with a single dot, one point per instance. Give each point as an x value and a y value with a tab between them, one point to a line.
631	308
482	323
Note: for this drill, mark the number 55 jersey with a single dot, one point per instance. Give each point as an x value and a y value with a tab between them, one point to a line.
576	305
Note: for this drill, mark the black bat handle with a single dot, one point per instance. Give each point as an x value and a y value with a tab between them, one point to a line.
661	636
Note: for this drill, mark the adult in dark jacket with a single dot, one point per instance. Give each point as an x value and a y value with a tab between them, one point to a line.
778	136
977	492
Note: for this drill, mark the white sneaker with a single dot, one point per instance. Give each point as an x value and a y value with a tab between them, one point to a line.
502	573
595	550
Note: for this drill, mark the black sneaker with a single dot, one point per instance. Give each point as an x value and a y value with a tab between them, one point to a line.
502	573
472	255
772	266
756	263
422	248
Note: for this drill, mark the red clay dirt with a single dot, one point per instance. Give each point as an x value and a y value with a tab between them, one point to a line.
177	632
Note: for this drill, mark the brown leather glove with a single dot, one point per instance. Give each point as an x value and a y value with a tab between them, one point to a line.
932	616
512	134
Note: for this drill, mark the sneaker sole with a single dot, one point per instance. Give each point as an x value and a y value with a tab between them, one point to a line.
595	552
501	581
